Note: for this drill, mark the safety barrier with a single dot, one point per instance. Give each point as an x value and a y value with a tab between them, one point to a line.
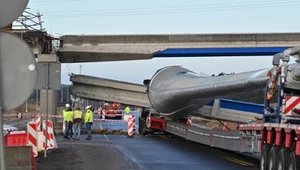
189	121
50	135
23	115
131	125
135	121
36	138
38	122
225	127
64	126
107	122
95	119
17	151
18	138
33	137
103	115
29	115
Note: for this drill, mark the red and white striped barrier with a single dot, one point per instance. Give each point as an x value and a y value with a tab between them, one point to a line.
33	137
226	126
24	115
38	122
103	115
50	135
130	126
64	126
148	121
189	121
133	117
292	102
109	110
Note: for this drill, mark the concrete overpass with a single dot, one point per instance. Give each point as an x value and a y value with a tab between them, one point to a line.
109	90
95	48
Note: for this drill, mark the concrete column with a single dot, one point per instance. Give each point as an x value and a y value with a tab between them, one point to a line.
52	94
52	104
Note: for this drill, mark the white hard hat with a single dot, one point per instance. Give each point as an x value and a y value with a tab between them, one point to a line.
67	105
87	107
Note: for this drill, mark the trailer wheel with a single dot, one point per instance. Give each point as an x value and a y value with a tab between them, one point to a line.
293	163
142	127
265	157
283	159
273	157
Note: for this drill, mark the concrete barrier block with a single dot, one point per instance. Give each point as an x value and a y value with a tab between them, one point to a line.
18	158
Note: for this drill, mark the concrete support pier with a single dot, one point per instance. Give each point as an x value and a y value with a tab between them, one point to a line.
52	104
52	93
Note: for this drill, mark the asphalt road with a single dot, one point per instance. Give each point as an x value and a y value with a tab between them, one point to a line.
168	153
163	152
171	153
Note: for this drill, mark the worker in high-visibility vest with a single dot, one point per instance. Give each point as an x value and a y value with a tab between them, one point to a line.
78	119
127	110
68	118
88	121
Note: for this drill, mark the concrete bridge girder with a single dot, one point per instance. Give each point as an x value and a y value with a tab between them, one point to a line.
93	48
110	90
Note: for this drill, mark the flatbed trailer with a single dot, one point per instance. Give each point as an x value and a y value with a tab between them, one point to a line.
223	139
273	141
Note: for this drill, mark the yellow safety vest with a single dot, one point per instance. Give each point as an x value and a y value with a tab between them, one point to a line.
89	116
68	115
78	114
64	113
127	110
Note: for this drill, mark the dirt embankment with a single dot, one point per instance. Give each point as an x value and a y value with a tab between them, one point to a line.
75	155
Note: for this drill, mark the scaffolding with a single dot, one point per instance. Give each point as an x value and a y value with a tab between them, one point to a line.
29	26
28	22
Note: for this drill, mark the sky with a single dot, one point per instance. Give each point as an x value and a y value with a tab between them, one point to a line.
65	17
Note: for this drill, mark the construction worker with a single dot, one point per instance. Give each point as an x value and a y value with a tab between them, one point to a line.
115	105
88	121
127	110
68	118
92	108
78	119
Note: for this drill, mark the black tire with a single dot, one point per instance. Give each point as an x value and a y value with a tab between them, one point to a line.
293	161
145	113
283	159
264	160
273	157
142	126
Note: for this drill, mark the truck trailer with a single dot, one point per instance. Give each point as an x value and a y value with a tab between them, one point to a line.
176	93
